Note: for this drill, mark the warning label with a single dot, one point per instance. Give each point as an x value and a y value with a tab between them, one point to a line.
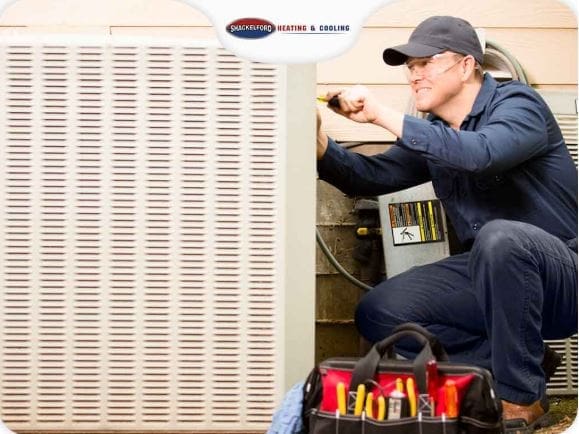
416	222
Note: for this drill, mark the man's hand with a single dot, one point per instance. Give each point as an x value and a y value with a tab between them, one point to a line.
322	137
356	103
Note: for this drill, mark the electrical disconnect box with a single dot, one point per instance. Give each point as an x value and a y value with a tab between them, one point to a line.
414	230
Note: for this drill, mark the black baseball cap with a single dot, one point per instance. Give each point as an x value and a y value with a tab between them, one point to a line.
436	35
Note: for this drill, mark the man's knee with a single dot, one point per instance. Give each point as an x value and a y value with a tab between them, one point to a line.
497	240
366	313
380	310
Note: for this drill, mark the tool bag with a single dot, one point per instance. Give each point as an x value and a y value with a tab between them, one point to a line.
380	394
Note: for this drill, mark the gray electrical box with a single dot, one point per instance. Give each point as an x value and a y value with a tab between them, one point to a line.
413	228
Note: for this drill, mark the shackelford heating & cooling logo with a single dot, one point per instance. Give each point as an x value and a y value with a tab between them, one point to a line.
255	28
251	28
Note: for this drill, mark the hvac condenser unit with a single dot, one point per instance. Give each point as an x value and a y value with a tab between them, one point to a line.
157	215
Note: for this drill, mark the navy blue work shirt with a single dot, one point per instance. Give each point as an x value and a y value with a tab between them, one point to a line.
507	161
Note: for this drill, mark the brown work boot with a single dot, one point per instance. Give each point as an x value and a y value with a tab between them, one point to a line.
524	418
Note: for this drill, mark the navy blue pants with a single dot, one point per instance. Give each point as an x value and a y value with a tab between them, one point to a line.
490	307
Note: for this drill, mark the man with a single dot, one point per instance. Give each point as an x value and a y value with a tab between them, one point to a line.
499	165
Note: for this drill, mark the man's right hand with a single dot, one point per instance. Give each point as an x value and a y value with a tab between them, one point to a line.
322	137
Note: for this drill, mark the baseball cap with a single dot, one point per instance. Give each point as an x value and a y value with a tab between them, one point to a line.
436	35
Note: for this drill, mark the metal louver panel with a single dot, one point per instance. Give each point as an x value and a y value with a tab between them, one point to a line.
564	382
564	107
568	125
142	253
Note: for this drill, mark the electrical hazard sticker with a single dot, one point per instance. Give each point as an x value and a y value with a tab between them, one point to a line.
416	222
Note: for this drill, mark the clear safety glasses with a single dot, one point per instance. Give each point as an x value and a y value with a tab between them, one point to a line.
430	67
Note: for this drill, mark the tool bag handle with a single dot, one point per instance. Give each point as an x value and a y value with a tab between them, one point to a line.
367	366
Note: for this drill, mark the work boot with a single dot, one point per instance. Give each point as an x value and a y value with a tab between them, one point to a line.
524	419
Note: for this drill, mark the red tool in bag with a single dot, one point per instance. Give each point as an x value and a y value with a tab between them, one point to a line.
380	394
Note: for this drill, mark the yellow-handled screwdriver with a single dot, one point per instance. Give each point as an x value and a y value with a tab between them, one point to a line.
341	397
360	395
399	385
370	405
381	408
411	393
332	102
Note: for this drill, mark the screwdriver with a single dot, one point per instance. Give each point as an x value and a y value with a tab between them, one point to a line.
411	395
451	398
360	395
370	405
333	102
432	383
341	398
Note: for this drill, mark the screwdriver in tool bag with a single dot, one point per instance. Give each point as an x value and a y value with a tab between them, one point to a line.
399	385
381	408
450	398
432	384
370	405
411	396
341	398
360	395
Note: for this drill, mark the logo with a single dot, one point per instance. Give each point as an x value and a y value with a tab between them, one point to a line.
251	28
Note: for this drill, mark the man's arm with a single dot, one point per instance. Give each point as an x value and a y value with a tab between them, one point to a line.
515	132
357	174
361	175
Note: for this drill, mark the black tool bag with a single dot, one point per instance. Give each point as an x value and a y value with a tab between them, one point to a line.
449	398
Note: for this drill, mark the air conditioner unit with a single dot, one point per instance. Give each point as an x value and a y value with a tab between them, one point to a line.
157	216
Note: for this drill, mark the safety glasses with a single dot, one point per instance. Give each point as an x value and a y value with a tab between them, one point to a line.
430	67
